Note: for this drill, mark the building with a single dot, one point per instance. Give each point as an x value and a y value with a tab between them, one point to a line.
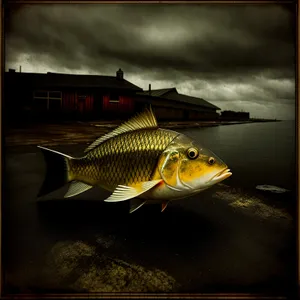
168	104
37	95
230	115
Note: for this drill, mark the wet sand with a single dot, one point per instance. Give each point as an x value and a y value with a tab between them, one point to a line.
222	240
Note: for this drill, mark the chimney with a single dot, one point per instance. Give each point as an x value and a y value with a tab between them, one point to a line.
11	70
120	74
149	89
20	69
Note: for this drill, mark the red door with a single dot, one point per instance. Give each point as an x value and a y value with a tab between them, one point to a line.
81	100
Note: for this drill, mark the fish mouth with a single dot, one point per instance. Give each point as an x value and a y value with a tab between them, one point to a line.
225	173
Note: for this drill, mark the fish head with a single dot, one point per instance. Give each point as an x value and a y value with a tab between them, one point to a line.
189	166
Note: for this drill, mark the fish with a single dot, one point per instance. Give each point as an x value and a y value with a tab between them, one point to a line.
139	162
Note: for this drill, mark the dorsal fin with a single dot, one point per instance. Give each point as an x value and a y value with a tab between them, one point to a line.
143	120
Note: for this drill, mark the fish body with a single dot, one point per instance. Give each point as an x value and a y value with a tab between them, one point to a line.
126	159
138	162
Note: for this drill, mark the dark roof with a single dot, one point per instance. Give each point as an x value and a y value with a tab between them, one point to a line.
172	94
190	100
73	80
157	93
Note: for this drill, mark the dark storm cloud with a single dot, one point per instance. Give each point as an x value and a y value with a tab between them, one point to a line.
240	50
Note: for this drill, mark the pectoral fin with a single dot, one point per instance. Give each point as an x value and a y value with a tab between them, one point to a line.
164	205
123	192
76	188
136	204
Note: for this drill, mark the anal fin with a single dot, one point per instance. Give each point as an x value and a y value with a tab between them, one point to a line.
76	188
124	192
136	204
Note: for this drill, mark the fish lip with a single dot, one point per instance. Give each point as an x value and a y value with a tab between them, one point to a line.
223	172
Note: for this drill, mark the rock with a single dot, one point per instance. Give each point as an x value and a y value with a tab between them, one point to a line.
251	204
271	188
78	266
119	276
63	259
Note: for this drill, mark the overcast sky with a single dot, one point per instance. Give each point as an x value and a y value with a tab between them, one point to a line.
238	57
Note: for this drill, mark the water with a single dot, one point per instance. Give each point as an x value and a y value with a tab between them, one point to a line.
203	242
257	154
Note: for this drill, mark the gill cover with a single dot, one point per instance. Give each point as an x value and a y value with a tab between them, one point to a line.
170	163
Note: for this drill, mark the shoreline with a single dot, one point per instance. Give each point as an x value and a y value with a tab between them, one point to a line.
211	123
183	124
78	132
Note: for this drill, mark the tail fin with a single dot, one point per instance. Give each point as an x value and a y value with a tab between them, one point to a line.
56	170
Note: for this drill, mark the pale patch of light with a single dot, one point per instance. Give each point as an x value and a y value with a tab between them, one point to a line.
161	36
213	91
29	64
280	83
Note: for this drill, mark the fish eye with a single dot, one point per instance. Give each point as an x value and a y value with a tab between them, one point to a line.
211	160
192	153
